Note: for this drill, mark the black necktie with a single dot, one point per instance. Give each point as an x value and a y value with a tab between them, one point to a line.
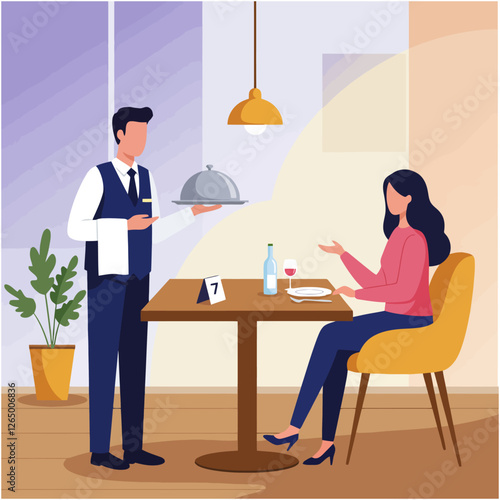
132	189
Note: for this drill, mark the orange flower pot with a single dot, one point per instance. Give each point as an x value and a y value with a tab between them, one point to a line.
52	371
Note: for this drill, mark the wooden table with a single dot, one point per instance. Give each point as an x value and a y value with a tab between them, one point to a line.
246	304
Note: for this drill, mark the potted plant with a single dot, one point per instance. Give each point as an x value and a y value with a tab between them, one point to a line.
51	363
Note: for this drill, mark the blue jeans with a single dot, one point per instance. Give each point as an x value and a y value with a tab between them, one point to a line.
328	364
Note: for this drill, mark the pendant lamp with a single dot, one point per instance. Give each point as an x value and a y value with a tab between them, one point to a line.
255	113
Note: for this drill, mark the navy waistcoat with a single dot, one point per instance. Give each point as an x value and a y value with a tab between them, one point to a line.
116	204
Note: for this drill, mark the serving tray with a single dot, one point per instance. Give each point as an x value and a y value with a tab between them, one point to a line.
209	202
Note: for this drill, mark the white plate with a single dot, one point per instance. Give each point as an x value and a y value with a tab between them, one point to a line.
308	291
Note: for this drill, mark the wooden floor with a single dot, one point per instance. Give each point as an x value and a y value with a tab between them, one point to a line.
397	452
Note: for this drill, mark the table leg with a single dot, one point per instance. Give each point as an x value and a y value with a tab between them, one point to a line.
247	388
247	458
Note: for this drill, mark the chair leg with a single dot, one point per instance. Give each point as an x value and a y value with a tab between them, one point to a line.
447	411
432	397
359	406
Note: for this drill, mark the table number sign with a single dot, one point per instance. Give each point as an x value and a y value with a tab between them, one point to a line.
212	290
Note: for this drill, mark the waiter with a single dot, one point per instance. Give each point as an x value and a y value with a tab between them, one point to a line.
113	212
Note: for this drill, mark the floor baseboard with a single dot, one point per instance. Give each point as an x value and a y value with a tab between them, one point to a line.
276	390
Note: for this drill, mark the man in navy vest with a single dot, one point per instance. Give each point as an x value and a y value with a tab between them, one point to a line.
113	213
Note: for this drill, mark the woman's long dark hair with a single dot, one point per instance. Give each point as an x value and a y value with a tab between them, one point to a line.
421	214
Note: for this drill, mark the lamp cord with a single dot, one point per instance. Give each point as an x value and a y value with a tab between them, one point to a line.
255	44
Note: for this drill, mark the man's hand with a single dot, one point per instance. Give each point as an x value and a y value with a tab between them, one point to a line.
200	209
338	249
141	221
349	292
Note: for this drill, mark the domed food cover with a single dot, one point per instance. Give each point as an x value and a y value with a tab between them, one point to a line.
210	187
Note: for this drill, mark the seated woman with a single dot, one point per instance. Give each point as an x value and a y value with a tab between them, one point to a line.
416	240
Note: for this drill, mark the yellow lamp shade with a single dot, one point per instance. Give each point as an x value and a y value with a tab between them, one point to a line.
255	111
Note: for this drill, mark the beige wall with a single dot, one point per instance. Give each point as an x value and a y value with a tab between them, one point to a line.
321	196
453	51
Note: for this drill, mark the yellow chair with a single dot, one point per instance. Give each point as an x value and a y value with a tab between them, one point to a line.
429	349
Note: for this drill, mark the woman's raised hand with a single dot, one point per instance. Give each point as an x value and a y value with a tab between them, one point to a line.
338	249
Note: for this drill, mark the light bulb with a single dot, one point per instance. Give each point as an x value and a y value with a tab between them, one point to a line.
255	129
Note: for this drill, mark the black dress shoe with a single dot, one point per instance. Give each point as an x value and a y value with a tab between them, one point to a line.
142	457
108	460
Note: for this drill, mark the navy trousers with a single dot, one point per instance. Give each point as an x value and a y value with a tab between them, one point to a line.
327	367
115	328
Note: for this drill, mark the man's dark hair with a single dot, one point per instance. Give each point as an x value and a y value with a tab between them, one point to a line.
125	115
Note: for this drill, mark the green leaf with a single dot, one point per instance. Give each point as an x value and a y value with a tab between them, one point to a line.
42	265
63	283
68	311
24	305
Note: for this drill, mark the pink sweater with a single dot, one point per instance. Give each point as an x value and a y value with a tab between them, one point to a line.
403	280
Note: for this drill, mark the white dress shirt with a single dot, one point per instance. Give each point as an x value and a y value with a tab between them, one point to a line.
112	234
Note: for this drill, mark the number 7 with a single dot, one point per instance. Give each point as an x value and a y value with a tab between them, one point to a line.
215	285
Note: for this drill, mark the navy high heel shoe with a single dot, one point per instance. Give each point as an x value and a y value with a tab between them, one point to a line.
290	439
316	461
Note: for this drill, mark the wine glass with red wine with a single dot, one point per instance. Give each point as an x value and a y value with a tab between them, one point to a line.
290	268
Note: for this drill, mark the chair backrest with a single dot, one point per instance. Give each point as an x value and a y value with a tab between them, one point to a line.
451	296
